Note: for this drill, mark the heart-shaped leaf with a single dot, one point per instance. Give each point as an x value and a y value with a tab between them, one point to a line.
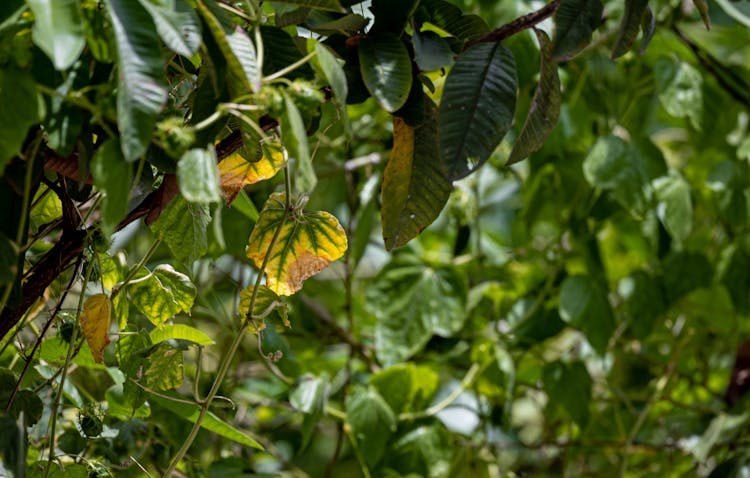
161	294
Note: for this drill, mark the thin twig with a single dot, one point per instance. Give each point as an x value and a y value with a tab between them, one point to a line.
516	26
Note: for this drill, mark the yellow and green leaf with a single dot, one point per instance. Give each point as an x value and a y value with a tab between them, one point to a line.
266	301
237	172
95	320
307	243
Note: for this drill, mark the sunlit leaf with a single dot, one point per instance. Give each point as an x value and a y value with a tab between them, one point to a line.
307	243
95	319
237	172
265	301
179	332
58	30
680	87
161	294
183	227
164	371
675	207
198	176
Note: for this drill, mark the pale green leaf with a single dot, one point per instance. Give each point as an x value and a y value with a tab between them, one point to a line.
58	30
198	176
179	332
680	88
675	208
372	422
161	294
294	136
333	71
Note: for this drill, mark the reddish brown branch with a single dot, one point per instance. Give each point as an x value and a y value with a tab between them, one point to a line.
518	25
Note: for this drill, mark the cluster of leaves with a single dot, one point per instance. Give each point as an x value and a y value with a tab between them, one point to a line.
576	313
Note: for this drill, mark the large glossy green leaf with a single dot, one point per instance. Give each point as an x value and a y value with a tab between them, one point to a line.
141	88
161	294
180	332
629	26
575	21
198	176
680	89
236	46
614	165
386	69
19	99
584	305
329	5
177	24
112	176
477	107
372	422
58	30
569	386
545	106
675	208
415	188
413	302
183	227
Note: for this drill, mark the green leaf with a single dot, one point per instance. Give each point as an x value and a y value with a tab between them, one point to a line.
141	88
451	19
648	28
702	8
118	407
575	21
210	422
675	208
198	176
328	5
733	271
307	243
326	24
386	69
161	294
30	404
431	51
132	356
294	136
391	15
164	371
545	106
584	305
265	301
56	470
413	302
8	260
309	397
112	177
179	332
643	302
415	188
183	227
372	422
684	272
333	72
569	386
18	96
477	108
680	88
177	24
614	165
427	450
236	46
629	26
285	52
405	386
58	30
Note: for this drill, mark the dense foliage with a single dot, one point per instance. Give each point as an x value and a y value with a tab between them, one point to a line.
381	239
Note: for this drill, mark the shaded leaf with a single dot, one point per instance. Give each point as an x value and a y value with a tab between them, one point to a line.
237	172
733	271
702	8
372	422
545	106
164	370
177	24
294	136
285	52
391	15
310	397
161	294
629	26
58	30
675	208
183	227
386	69
198	176
56	470
477	107
569	386
684	272
643	302
648	28
575	21
95	320
329	5
141	87
431	51
112	177
415	188
333	71
17	94
179	332
8	260
680	89
307	243
451	19
265	301
584	305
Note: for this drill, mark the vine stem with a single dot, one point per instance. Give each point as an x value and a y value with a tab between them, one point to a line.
135	269
63	374
226	361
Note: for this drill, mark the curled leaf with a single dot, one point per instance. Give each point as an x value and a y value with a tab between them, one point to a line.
237	172
95	320
307	243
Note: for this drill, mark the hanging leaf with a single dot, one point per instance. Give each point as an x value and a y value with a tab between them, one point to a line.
17	94
112	176
545	106
179	332
333	72
177	24
386	69
629	26
477	108
237	172
294	136
95	319
584	305
675	209
58	30
702	8
648	28
415	188
141	88
161	294
329	5
575	22
307	243
183	227
451	19
198	176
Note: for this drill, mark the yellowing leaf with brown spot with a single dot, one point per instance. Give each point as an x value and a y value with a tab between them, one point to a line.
95	320
237	172
307	243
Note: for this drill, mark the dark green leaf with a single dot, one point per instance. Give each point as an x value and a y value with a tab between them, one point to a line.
569	386
347	24
177	24
406	387
30	404
8	260
328	5
431	51
198	176
477	108
386	69
372	422
684	272
648	28
112	176
643	302
142	90
575	21
58	30
19	99
545	106
584	305
629	26
451	19
733	272
183	227
392	15
285	52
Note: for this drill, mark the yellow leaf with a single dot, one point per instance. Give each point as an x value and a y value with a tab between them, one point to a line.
237	172
308	242
95	320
